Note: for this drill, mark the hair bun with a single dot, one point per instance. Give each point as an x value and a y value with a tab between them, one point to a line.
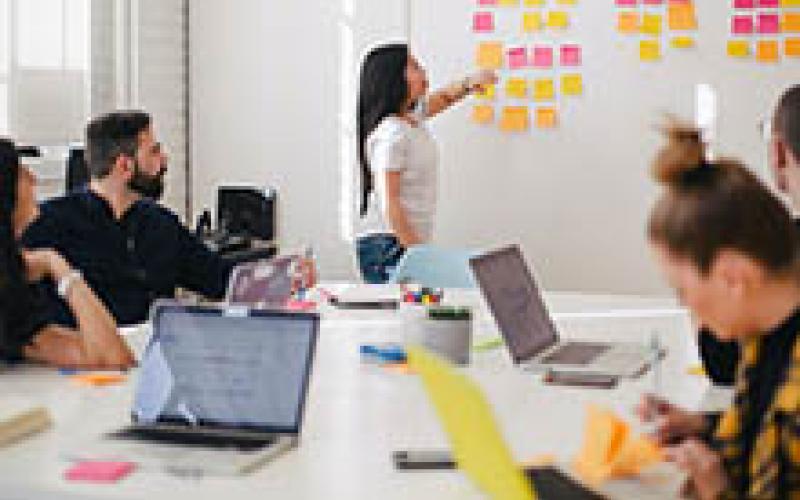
684	152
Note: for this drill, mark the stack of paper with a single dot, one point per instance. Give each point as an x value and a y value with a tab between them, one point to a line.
19	420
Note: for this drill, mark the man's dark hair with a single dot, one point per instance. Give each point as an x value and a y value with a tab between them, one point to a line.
787	119
113	135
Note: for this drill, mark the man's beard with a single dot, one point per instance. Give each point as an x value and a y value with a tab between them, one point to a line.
150	186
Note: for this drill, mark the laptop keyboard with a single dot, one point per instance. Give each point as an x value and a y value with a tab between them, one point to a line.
575	353
552	484
194	439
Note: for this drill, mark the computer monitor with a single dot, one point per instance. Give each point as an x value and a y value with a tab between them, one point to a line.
246	211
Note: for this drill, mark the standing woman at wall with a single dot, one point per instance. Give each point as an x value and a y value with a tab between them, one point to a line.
398	155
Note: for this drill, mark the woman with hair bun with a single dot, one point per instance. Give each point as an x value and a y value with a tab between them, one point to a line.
730	249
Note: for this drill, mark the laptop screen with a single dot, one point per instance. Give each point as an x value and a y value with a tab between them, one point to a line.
515	301
231	368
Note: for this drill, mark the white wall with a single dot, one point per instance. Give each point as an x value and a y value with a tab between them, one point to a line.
266	103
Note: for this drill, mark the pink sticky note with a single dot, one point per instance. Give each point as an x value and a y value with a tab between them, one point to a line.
626	3
769	23
744	4
100	472
742	25
570	55
769	3
653	2
483	22
543	57
487	2
517	57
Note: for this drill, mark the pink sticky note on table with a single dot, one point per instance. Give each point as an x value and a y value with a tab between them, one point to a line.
744	4
570	55
742	25
769	3
99	472
626	3
543	57
483	22
769	23
517	57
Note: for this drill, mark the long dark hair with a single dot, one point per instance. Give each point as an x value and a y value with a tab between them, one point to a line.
12	281
383	92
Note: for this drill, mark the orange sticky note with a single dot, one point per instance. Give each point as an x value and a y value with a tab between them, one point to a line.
792	47
738	48
546	118
649	50
628	22
483	114
572	84
681	17
514	119
791	22
767	51
98	378
489	55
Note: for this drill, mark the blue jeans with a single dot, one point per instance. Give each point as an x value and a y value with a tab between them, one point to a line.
378	255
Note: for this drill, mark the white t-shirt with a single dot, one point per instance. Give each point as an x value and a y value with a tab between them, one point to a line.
398	146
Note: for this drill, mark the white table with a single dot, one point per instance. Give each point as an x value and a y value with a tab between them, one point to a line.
358	414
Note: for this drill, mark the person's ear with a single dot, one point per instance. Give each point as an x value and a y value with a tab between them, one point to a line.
736	274
124	166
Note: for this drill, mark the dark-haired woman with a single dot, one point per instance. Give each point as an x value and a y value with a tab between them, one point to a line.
398	155
729	248
25	332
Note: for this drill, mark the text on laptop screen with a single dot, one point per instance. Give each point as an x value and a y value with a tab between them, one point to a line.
515	302
245	371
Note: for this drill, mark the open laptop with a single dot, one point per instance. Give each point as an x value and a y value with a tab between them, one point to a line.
221	390
530	334
263	283
477	443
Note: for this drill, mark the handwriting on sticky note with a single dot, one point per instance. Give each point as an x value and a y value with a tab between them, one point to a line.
490	55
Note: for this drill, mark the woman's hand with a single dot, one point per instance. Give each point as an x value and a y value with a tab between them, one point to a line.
41	264
481	79
707	476
672	424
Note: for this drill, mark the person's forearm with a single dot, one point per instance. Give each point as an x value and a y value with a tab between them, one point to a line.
398	220
442	99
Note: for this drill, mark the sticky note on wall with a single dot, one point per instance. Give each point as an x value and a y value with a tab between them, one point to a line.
543	57
514	119
483	114
570	55
682	42
791	22
792	47
557	19
649	50
628	22
489	55
768	24
535	3
681	17
739	48
486	92
483	22
767	51
517	88
744	4
531	22
544	89
517	57
571	84
651	24
742	25
546	118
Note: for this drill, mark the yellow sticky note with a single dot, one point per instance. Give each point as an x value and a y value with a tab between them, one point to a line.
531	21
567	2
544	89
628	22
572	84
682	42
738	48
486	92
681	16
649	50
517	88
483	114
557	19
696	370
489	55
514	119
535	3
767	51
790	3
468	421
546	118
791	22
651	24
792	47
508	3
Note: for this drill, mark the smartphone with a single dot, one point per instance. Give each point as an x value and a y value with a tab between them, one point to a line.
423	460
581	379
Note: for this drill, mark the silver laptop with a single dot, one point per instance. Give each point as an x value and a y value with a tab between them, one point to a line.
263	283
221	390
511	292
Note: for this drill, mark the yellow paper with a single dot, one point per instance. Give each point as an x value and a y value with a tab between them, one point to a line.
790	3
738	48
517	88
682	42
490	55
791	22
792	47
767	51
508	3
681	17
696	370
531	21
628	22
544	89
572	84
567	2
486	92
649	50
478	445
557	19
651	24
514	119
546	118
483	114
535	3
